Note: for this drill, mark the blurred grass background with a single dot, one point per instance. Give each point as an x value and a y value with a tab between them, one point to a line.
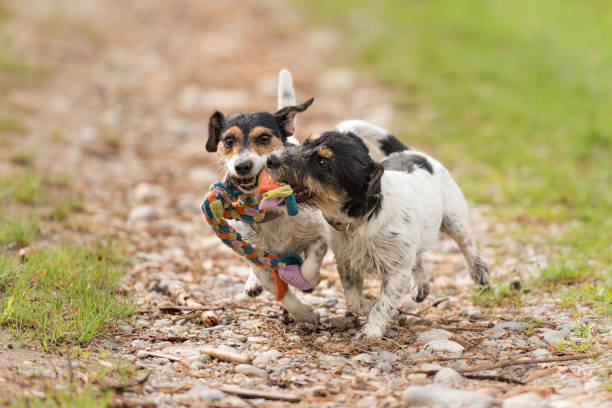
515	97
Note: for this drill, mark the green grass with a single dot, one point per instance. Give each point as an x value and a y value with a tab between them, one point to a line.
563	271
514	96
499	293
25	187
62	295
23	157
90	397
19	230
53	193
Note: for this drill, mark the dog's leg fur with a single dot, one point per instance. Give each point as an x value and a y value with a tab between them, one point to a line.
455	222
252	287
420	285
298	310
395	285
352	283
313	257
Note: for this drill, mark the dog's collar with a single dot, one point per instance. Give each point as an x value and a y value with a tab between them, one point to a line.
350	228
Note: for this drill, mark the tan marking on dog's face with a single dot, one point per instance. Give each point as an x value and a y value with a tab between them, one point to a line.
263	141
325	151
312	137
226	152
322	196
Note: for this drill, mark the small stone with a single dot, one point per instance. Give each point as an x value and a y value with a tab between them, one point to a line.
446	346
387	356
551	336
264	359
363	358
256	339
526	400
540	353
510	326
142	354
385	367
142	213
125	329
387	402
205	358
227	334
299	379
390	333
434	334
449	377
535	341
146	191
431	367
203	393
475	314
366	402
111	345
342	322
250	370
444	397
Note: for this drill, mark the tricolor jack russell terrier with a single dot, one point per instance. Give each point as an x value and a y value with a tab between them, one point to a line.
242	142
383	216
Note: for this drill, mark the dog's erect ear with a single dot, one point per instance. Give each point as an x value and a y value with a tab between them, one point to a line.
214	131
375	173
285	117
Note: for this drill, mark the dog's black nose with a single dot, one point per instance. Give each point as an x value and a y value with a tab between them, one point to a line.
243	168
273	161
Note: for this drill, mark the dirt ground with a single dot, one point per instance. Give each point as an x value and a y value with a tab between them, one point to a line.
124	111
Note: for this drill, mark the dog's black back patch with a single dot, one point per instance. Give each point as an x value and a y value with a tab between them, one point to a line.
407	162
391	144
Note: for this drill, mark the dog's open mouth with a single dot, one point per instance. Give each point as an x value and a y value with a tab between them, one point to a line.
301	194
245	184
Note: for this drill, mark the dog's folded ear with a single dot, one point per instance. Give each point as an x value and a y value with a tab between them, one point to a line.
285	117
375	173
214	131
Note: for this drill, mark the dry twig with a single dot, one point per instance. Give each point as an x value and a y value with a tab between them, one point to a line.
225	355
271	395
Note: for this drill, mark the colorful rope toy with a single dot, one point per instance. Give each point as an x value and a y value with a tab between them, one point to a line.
226	201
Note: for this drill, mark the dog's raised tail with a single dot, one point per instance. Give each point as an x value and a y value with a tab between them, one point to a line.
286	93
379	137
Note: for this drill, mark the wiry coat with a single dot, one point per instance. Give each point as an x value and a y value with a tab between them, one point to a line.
384	216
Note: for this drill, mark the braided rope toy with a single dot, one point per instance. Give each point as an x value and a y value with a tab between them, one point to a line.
226	201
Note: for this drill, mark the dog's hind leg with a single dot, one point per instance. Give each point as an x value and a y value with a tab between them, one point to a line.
252	287
299	311
456	225
420	285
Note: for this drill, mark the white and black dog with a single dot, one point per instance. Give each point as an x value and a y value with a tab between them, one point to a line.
242	142
384	216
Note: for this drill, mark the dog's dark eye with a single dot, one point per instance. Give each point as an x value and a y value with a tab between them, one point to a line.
263	139
229	142
322	162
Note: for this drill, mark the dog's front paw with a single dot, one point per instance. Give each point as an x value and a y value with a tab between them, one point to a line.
369	332
307	316
252	287
420	292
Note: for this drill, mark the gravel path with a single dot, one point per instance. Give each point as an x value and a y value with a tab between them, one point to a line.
125	113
